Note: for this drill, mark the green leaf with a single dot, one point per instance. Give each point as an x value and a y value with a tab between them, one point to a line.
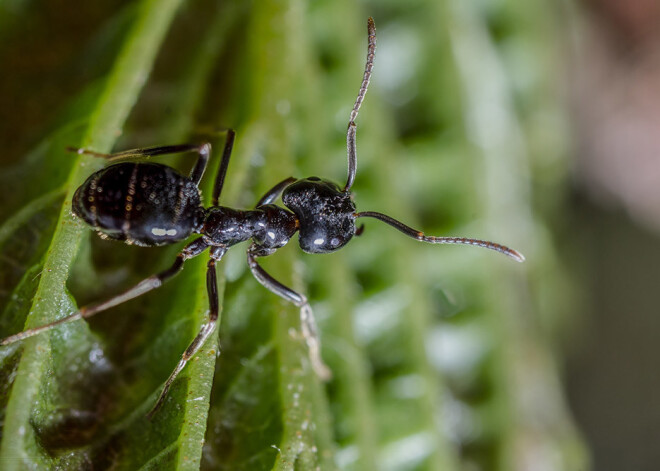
284	74
29	417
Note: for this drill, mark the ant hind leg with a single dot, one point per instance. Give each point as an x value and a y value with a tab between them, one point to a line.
148	284
203	151
204	333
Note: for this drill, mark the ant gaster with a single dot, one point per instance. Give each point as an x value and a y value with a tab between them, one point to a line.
151	204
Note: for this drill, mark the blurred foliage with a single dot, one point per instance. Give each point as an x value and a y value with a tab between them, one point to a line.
443	357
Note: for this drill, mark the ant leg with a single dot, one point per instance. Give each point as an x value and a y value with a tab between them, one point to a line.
202	150
154	281
272	194
224	164
204	333
308	324
351	146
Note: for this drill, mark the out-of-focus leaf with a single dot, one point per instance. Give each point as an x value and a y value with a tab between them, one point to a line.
23	240
44	170
284	74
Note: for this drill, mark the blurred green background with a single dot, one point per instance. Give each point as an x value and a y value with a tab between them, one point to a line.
530	123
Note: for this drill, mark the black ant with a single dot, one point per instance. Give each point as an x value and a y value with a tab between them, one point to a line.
151	204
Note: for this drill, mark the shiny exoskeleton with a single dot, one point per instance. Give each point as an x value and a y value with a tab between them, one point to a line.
140	203
151	204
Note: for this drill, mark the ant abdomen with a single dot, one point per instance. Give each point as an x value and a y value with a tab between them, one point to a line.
326	214
139	203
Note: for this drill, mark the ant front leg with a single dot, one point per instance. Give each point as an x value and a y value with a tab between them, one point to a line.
206	330
307	321
148	284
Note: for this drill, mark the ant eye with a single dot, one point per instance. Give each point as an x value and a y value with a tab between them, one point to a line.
334	242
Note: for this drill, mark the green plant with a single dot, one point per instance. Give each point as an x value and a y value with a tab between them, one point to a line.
283	73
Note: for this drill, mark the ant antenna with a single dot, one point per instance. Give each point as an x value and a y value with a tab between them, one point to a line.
410	232
352	127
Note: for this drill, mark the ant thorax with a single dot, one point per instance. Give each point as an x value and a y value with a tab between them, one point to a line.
269	226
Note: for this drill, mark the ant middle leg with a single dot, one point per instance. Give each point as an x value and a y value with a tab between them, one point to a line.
307	321
203	151
272	194
204	333
148	284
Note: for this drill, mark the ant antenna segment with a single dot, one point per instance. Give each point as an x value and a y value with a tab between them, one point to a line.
352	127
415	234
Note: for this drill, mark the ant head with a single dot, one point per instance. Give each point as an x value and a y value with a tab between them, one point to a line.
326	214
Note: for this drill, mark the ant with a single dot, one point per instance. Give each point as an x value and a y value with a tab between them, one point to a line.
150	204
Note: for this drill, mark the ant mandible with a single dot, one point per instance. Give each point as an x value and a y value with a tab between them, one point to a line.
150	204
